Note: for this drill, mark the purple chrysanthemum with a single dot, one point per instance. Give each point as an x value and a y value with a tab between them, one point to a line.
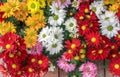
64	65
88	69
37	49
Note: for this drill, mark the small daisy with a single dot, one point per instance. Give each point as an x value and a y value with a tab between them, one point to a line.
76	3
56	19
55	9
110	29
97	7
71	25
54	47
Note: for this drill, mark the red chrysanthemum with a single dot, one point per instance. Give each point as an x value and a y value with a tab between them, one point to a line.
114	67
113	55
72	44
68	55
93	39
98	53
117	38
113	46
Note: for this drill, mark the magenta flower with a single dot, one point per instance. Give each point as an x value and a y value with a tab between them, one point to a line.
37	49
88	69
64	3
64	65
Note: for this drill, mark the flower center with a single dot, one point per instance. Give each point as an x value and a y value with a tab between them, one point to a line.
83	27
113	55
73	46
11	55
116	66
8	46
86	10
33	60
77	58
54	45
82	50
7	10
112	47
19	53
30	70
14	66
40	62
93	39
94	9
118	35
81	17
55	17
63	1
56	36
33	5
110	28
100	51
71	24
44	35
82	56
75	3
69	51
91	25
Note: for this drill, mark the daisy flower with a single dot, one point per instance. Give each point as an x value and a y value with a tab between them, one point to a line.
97	7
55	9
54	47
88	69
76	3
93	39
110	29
56	19
33	6
64	65
71	25
114	67
64	3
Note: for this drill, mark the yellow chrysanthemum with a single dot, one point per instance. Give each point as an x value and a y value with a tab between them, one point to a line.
37	21
7	10
114	7
7	27
22	13
42	3
49	2
31	37
33	6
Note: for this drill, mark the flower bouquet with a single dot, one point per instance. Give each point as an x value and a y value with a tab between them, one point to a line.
38	35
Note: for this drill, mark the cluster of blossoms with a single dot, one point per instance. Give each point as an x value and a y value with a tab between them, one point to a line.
71	31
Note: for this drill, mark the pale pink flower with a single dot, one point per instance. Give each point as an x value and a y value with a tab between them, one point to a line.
64	3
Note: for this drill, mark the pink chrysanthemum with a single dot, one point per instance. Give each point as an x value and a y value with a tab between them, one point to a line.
37	49
64	65
64	3
88	69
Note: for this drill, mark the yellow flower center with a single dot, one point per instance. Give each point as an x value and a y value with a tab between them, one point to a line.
8	46
73	46
11	55
113	55
83	27
116	66
118	35
100	51
86	10
32	60
77	58
88	16
19	72
81	17
69	51
112	47
91	25
93	39
19	53
14	66
82	56
82	50
33	5
40	62
30	70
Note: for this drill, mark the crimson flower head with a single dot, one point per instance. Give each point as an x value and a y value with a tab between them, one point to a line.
72	44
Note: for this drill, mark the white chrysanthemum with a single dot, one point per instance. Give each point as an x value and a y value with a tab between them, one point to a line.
71	26
51	68
110	29
107	16
54	47
55	9
52	39
97	7
76	3
56	19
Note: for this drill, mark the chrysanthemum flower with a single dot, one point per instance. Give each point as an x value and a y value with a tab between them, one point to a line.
42	3
93	39
113	55
72	44
7	27
88	69
114	67
76	3
64	65
63	3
